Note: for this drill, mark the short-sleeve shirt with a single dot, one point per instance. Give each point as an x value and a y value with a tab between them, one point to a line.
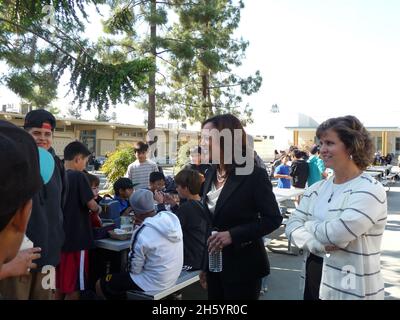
77	227
284	170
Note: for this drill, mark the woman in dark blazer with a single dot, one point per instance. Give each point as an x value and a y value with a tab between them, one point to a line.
242	208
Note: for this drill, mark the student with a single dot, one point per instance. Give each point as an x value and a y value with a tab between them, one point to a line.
72	271
20	181
194	219
299	169
45	228
94	183
316	167
139	171
282	173
157	181
123	189
156	257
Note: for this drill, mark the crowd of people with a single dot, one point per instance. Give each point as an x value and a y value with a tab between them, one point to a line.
213	205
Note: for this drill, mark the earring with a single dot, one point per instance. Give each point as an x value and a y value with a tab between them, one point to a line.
351	157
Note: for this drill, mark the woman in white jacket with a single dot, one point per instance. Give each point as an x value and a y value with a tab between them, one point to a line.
340	221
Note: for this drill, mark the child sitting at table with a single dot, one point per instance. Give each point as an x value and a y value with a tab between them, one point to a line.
156	257
123	189
94	182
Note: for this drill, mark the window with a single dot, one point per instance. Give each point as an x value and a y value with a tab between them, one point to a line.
397	144
379	143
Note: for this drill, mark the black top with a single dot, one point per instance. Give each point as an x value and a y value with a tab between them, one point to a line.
299	172
195	227
45	227
247	208
78	232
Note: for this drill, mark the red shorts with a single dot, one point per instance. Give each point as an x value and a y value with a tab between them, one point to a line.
72	272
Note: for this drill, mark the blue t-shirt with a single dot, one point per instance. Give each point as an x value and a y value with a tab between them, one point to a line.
284	170
123	204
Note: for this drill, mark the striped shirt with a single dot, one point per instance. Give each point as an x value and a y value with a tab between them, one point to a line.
354	221
140	173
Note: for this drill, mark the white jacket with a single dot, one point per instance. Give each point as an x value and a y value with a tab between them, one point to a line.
156	256
354	223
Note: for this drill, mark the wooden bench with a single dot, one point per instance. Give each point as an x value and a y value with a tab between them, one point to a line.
185	279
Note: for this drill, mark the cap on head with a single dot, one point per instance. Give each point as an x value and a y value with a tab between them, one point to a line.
20	173
40	118
142	201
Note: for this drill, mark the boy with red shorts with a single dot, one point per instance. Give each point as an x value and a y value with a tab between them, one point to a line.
73	268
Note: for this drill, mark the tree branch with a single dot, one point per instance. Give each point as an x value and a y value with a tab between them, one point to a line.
43	38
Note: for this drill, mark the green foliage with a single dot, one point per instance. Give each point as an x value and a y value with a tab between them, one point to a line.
37	56
117	163
203	55
183	156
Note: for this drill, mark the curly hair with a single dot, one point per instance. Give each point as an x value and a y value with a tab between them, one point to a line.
354	136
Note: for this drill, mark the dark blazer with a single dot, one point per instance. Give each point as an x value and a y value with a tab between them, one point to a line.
247	208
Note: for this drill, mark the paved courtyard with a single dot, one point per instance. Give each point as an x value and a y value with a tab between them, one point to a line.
284	280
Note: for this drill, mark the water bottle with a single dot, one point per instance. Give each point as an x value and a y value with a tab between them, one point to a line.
215	259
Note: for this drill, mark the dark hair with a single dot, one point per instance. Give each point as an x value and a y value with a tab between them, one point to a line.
122	183
229	121
354	136
74	149
93	179
314	149
20	170
140	146
155	176
189	178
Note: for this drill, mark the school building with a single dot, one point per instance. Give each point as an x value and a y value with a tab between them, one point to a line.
386	137
103	137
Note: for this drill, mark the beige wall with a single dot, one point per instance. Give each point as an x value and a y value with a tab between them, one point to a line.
306	139
106	146
265	149
103	133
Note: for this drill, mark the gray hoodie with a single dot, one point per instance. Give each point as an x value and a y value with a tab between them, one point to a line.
156	256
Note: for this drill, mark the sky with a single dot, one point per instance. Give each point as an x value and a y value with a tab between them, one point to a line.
322	58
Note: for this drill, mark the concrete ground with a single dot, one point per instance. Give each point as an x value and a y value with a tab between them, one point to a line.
283	282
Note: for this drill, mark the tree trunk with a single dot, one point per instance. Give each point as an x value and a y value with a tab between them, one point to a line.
206	106
151	123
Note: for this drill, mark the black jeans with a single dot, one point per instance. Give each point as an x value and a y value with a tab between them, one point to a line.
313	277
222	290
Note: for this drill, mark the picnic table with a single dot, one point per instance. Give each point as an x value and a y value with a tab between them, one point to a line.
113	245
384	169
282	194
122	247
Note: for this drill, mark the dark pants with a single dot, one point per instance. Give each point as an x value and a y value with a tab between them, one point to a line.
313	277
222	290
